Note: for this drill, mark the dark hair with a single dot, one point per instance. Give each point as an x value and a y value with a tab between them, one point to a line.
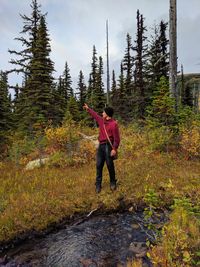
109	111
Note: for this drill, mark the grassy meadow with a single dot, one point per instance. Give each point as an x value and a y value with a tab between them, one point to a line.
151	173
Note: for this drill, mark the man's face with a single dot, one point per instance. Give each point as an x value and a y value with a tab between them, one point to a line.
104	115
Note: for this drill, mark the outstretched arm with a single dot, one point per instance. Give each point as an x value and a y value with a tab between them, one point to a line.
92	113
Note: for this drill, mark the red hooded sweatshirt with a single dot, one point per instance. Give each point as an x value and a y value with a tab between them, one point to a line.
111	128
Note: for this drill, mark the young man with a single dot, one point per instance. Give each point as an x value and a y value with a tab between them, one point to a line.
105	152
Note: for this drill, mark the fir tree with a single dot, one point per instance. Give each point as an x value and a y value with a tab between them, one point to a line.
113	90
40	81
164	43
91	97
95	93
67	84
161	110
115	94
158	53
89	90
139	72
188	95
72	109
27	39
128	63
58	105
36	95
5	107
60	100
99	97
82	90
121	106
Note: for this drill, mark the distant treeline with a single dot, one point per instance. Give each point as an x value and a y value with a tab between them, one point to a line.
141	91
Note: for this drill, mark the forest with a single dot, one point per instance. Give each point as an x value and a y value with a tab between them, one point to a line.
158	166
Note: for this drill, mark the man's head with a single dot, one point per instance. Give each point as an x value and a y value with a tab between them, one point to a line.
108	112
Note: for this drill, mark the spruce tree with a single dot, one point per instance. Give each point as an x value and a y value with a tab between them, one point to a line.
5	108
72	109
122	107
82	90
140	58
67	84
16	106
27	39
188	99
40	81
161	111
93	80
58	108
60	100
164	43
99	96
113	91
128	63
158	59
115	94
36	95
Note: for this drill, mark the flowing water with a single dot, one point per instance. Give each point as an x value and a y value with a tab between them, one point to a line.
103	240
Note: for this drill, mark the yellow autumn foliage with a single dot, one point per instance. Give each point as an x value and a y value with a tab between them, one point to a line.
179	242
58	137
190	140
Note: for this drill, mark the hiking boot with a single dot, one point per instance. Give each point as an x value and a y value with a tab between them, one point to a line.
98	189
113	186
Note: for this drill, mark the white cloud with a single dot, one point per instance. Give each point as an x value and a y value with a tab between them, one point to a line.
76	25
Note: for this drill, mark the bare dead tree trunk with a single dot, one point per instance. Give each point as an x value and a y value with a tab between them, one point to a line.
173	51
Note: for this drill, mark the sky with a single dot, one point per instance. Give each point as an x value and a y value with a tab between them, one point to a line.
76	25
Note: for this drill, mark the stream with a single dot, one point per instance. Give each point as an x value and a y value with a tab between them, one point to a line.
101	240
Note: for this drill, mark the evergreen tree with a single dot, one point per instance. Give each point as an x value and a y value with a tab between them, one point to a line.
59	96
113	90
89	90
182	87
188	95
16	106
115	94
140	58
72	109
5	108
158	65
99	97
128	63
58	105
40	81
82	90
93	80
121	108
28	40
34	104
67	84
161	110
164	43
128	87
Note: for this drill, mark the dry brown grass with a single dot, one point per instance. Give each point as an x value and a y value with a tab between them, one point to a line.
32	200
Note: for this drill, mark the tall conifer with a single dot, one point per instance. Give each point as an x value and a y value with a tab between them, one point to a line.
82	90
140	49
5	107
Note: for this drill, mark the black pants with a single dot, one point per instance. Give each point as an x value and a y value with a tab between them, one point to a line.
103	155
